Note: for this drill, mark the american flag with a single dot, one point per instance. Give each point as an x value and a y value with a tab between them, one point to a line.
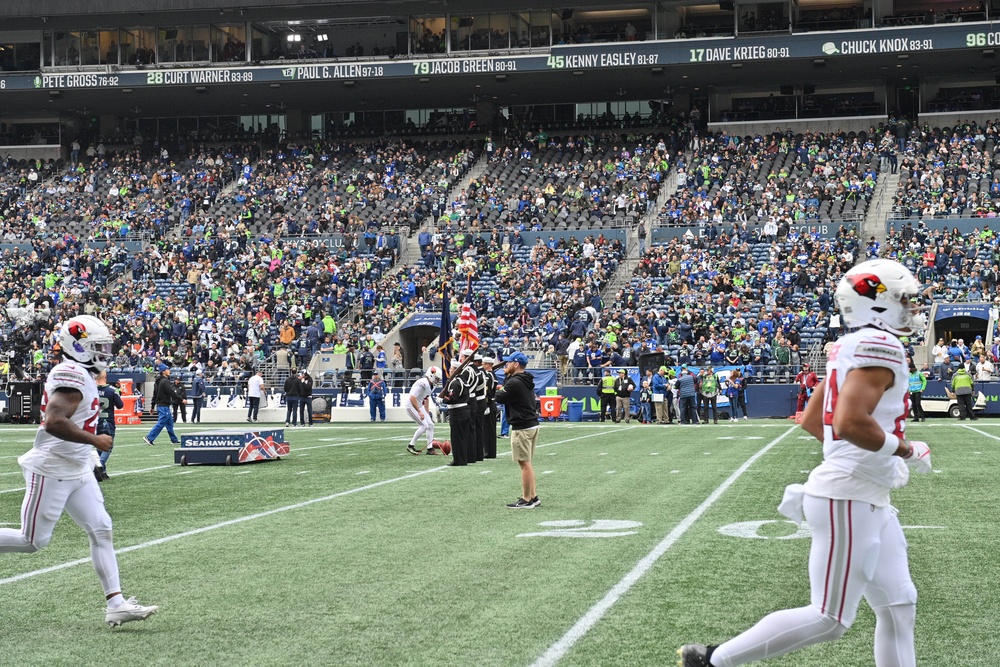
468	324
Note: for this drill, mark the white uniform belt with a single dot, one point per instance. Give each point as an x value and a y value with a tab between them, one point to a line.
458	405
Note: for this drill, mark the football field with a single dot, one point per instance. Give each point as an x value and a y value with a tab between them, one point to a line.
352	552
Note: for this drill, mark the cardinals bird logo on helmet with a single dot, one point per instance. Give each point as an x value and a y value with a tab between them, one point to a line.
87	341
881	293
867	285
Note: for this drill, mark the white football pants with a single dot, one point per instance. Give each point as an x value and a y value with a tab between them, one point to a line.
425	426
858	550
45	499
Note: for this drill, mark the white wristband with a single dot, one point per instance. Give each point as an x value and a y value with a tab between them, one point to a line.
890	445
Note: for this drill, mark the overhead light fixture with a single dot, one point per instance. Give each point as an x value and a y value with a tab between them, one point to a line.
349	83
322	38
424	79
294	38
737	65
819	62
578	72
903	56
126	91
657	70
275	85
201	89
501	77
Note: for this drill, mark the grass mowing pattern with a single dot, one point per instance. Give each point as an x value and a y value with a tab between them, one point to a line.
429	570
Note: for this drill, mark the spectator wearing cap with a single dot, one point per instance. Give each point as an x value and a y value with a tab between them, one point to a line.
305	398
807	381
518	395
624	386
376	391
606	392
292	389
662	403
198	399
164	394
180	401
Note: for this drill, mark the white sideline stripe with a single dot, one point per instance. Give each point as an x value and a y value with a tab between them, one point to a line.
972	428
558	650
206	529
260	515
117	473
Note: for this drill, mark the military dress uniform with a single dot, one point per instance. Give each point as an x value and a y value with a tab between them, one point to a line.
457	395
481	409
490	420
470	378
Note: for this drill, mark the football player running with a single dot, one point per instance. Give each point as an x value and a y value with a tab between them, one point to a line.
418	408
858	550
59	468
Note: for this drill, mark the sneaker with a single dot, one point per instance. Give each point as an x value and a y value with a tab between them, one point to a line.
694	655
535	502
520	504
413	450
175	442
130	610
745	418
146	440
430	452
286	424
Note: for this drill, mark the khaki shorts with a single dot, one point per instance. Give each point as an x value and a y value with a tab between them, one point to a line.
522	444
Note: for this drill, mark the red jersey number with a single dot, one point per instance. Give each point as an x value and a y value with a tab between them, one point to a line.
90	426
830	402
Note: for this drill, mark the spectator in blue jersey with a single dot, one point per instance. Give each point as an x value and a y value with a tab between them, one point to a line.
376	391
687	392
110	400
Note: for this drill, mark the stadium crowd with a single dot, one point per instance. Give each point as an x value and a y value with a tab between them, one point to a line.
233	274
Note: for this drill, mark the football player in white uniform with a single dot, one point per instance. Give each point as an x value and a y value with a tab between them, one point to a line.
58	469
858	550
418	407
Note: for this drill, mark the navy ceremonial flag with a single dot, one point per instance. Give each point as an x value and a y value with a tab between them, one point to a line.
444	335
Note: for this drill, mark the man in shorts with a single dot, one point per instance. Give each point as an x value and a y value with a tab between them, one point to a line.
518	395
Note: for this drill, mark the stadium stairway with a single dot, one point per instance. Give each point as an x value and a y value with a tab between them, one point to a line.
623	274
410	252
874	223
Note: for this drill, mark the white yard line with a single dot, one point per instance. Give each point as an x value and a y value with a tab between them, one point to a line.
216	526
976	430
558	650
115	473
251	517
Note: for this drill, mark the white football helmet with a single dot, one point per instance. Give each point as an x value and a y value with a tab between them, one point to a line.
433	374
87	341
881	293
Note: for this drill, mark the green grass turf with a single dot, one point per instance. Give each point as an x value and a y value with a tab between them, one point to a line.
427	568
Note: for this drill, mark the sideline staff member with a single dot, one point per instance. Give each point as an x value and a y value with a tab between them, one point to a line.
518	394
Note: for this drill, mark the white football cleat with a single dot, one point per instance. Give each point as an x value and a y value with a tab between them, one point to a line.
130	610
